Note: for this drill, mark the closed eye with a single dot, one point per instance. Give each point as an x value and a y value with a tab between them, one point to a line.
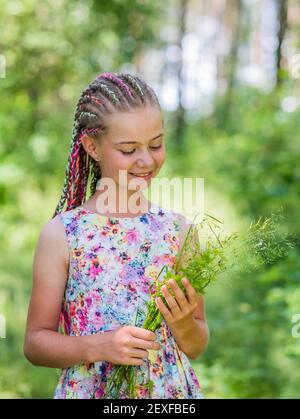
131	152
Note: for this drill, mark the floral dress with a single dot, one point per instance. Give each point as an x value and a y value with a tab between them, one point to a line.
113	262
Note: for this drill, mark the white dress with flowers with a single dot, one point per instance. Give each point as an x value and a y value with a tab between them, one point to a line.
113	263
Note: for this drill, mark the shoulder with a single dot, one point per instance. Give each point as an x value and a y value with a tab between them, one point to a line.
170	214
186	227
53	229
67	217
53	239
183	222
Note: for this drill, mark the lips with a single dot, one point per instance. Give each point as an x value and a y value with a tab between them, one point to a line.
144	175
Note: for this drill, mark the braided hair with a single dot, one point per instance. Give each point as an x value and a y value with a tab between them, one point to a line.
107	94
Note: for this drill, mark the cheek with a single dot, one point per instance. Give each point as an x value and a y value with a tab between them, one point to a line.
160	157
121	161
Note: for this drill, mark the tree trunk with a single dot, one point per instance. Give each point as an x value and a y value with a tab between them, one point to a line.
233	58
282	25
180	113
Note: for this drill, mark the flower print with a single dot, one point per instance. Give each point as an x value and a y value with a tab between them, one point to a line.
97	320
72	383
171	259
112	222
64	322
128	273
144	219
75	330
100	391
72	228
145	247
88	302
95	249
99	222
124	256
157	368
72	309
95	268
167	237
77	252
156	259
132	287
113	264
83	371
155	225
140	269
82	263
141	391
154	357
82	317
165	259
132	236
194	378
115	230
175	393
120	242
170	357
144	287
152	271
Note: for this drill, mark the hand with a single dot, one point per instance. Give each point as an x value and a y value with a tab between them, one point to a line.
128	345
179	314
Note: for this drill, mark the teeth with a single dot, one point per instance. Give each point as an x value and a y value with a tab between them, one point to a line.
141	174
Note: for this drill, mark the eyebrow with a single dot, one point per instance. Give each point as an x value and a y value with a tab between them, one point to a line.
135	142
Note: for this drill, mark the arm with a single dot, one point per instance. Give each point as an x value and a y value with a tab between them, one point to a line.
44	345
186	316
193	337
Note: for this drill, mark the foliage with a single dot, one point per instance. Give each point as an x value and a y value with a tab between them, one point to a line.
52	49
204	265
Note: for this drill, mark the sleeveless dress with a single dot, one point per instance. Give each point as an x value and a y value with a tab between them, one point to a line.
113	261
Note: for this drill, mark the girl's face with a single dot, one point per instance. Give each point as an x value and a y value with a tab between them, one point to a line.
135	143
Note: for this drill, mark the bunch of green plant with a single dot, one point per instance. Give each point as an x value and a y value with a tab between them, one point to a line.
203	262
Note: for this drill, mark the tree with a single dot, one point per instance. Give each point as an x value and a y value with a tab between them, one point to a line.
282	7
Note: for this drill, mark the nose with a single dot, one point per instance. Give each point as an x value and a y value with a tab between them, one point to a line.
145	161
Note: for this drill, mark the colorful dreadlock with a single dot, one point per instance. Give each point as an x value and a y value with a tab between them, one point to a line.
107	94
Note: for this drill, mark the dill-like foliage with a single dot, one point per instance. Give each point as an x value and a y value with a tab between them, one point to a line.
206	254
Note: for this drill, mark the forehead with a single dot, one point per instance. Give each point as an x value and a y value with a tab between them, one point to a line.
139	124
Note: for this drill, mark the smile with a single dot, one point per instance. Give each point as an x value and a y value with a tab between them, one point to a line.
142	175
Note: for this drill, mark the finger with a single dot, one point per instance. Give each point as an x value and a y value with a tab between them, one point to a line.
137	353
190	290
141	333
180	297
172	303
134	361
164	311
144	344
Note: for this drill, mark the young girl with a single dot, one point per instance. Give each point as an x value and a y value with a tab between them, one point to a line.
93	268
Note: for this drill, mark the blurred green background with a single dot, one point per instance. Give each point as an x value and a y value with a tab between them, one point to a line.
227	75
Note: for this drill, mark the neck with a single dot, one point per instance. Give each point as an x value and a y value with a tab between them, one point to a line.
121	202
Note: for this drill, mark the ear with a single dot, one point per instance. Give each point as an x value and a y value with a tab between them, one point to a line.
90	147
